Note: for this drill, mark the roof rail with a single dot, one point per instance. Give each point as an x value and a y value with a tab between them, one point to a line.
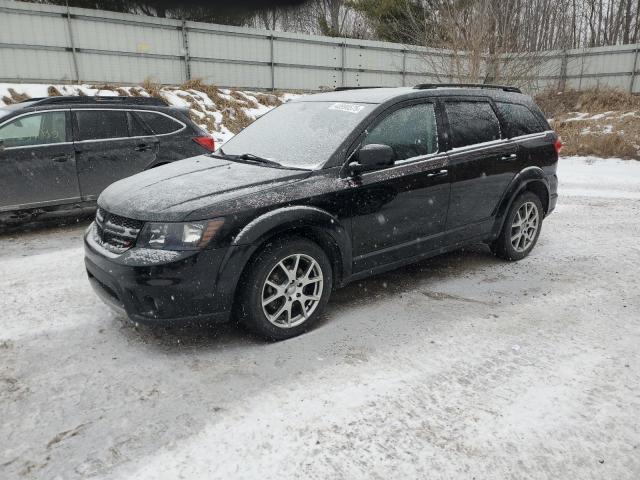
341	89
506	88
95	100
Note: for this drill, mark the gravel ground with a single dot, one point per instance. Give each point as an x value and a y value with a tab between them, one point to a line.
462	366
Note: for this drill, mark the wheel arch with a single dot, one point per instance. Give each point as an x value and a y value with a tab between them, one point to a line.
531	179
312	223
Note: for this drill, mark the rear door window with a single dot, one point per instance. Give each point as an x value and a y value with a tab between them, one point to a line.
472	123
38	129
101	124
519	120
159	124
410	131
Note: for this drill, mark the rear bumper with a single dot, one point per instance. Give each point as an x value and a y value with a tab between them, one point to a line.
188	289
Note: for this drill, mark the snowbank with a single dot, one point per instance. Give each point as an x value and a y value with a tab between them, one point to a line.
221	112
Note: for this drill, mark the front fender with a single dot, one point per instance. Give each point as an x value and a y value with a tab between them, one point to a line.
324	226
518	184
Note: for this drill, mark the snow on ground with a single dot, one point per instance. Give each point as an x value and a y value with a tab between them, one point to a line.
221	112
616	178
462	366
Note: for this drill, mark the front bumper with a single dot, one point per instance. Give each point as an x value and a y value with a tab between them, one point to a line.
158	286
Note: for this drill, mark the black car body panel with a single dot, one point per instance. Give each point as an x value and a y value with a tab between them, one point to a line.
62	168
367	222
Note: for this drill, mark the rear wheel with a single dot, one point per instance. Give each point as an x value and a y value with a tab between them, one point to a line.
521	228
287	287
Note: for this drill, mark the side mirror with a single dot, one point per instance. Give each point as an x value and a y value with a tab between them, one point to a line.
372	157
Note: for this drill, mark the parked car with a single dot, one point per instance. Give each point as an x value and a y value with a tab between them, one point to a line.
322	191
61	152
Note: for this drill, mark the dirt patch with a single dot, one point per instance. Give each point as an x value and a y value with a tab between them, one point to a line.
554	103
603	123
221	111
269	100
607	137
53	91
14	97
153	89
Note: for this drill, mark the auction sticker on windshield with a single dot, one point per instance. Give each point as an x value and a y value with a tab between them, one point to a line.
347	107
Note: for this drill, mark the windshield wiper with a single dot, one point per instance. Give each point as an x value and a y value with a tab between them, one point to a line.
250	157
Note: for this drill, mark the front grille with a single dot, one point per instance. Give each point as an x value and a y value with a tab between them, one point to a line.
115	233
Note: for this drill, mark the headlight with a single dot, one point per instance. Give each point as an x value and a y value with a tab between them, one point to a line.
179	236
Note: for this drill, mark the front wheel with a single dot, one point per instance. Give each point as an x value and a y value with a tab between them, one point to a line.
287	287
521	228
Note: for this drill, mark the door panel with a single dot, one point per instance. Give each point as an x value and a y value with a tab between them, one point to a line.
37	165
102	161
481	163
399	212
479	177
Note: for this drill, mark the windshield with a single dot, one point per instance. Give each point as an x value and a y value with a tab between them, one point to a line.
299	134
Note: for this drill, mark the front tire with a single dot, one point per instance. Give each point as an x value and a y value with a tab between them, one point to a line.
286	288
521	228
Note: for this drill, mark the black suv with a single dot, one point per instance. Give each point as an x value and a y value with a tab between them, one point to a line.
319	192
59	153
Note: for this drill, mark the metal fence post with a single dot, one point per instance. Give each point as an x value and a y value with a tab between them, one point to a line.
562	83
582	57
404	68
74	55
634	70
344	61
185	45
272	62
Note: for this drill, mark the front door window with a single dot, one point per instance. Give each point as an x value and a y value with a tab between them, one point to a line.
38	129
410	131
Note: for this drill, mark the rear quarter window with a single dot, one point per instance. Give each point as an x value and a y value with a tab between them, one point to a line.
518	119
159	124
471	123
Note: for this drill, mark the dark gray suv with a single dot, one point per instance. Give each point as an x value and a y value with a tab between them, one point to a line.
59	153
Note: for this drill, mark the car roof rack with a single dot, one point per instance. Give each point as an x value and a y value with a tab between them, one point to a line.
506	88
342	89
96	100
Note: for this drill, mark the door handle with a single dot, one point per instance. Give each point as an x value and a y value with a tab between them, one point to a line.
60	158
143	147
508	158
441	173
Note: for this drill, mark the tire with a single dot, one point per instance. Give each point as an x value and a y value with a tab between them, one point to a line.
294	307
511	244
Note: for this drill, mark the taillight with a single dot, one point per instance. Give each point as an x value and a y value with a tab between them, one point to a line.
558	145
206	142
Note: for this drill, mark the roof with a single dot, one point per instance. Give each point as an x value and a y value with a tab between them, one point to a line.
360	95
93	100
384	94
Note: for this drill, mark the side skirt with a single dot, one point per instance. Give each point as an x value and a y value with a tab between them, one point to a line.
407	261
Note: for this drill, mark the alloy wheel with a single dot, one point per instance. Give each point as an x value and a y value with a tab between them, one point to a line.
292	290
525	227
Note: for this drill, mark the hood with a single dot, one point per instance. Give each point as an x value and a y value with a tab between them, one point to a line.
171	192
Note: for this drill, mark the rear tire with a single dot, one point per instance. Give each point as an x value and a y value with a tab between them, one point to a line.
521	228
286	288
